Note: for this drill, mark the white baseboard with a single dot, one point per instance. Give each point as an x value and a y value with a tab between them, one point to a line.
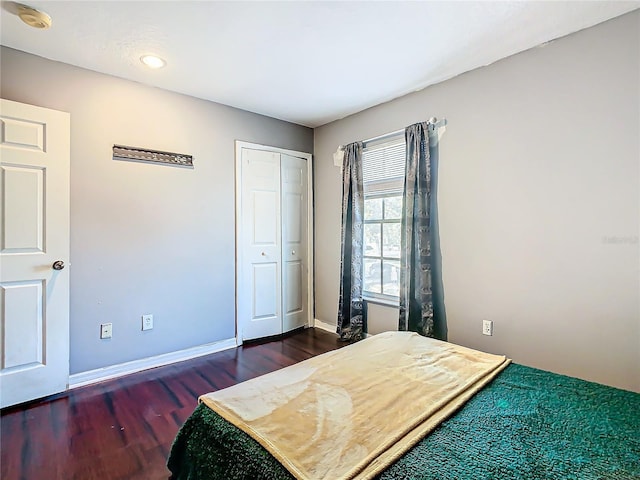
113	371
324	326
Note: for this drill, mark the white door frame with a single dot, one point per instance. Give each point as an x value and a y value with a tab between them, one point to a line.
239	145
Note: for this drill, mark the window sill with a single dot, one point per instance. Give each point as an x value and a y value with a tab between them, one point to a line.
382	301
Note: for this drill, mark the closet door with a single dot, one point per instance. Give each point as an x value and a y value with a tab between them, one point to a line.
294	242
34	233
259	287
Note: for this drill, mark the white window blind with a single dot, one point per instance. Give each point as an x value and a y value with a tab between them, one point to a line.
383	167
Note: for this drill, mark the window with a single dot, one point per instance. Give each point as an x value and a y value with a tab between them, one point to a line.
383	166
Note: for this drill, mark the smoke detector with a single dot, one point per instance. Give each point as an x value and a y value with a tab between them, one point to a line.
34	18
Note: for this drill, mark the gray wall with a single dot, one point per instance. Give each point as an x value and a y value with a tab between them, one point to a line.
146	238
538	203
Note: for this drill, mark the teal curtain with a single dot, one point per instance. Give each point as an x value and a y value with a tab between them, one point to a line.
416	296
351	309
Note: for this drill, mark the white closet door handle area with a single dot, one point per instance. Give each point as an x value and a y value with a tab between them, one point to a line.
293	252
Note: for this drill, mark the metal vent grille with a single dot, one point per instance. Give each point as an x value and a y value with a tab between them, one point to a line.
122	152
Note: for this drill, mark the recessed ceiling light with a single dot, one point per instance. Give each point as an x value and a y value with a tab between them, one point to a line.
34	18
152	61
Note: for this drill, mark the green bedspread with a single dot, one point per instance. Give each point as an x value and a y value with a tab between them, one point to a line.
526	424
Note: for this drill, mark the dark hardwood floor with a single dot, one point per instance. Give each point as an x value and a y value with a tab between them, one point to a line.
123	428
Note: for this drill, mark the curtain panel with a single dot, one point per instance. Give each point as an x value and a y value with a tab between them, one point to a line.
416	297
351	308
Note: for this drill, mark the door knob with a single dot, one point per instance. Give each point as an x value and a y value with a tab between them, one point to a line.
263	254
293	252
58	265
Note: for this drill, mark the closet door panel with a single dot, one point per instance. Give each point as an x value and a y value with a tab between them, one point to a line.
294	242
260	286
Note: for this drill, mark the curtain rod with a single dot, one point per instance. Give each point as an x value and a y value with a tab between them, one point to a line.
432	121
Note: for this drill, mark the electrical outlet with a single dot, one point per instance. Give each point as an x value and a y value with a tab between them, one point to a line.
105	330
147	322
487	327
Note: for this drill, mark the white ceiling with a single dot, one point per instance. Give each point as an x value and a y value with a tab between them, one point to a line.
305	62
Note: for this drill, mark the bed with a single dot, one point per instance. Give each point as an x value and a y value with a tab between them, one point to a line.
521	423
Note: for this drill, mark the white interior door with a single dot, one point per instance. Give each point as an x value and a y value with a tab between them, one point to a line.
259	293
294	242
34	233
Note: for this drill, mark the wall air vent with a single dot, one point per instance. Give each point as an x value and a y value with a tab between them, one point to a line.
135	154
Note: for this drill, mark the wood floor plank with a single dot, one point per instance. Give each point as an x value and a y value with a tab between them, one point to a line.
124	428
